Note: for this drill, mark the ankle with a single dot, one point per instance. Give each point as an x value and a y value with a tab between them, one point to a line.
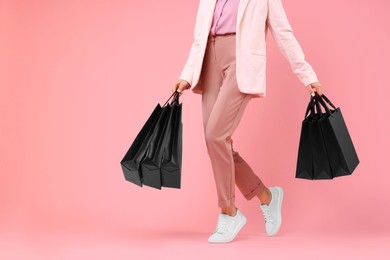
231	211
265	196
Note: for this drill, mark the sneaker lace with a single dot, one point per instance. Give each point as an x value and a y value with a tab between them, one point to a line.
267	214
222	227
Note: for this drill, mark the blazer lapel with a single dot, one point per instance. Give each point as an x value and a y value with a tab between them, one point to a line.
210	13
241	9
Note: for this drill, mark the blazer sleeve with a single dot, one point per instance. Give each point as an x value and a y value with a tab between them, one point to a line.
188	70
282	32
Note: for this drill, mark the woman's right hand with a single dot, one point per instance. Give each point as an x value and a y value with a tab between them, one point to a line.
180	86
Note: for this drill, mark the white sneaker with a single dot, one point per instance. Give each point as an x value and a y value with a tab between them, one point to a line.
227	228
273	212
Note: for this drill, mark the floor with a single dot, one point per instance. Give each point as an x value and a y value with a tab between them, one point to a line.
134	243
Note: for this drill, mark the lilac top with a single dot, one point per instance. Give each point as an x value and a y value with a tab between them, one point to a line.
225	17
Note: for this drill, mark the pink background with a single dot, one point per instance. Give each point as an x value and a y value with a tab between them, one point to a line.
78	78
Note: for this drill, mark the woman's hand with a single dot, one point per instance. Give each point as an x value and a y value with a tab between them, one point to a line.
180	86
315	87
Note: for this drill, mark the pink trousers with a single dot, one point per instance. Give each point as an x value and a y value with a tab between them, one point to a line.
222	107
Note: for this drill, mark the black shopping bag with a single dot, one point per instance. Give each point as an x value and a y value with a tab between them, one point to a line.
131	162
342	155
172	157
321	167
304	169
312	162
151	164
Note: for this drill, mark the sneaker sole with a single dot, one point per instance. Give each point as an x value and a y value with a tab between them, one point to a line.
238	228
280	200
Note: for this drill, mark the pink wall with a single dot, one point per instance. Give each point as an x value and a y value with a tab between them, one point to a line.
78	79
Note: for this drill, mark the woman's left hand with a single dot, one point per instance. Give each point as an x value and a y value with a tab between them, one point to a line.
315	87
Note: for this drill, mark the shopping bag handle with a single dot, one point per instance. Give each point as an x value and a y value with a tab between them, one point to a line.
321	101
328	101
174	95
176	99
314	106
310	107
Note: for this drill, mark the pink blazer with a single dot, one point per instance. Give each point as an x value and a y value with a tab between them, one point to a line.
253	20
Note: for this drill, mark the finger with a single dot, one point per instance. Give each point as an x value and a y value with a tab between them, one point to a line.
181	88
174	87
180	92
319	91
311	90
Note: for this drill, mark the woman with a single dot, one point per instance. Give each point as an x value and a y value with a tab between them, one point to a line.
226	65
